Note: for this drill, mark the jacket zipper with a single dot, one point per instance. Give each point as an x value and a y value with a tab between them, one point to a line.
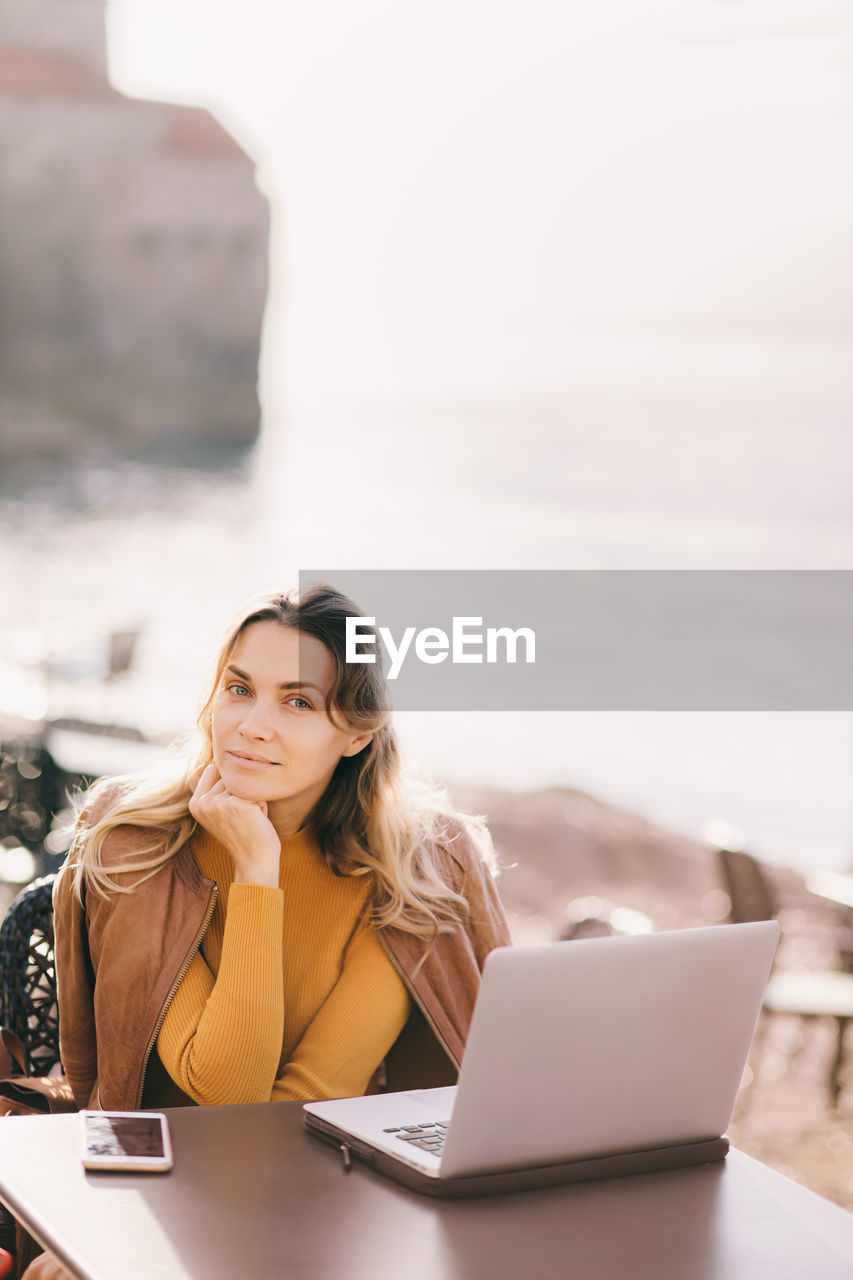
162	1017
416	998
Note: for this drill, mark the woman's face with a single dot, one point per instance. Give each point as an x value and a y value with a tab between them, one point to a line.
272	738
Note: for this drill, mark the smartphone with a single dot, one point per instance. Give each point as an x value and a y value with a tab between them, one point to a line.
133	1141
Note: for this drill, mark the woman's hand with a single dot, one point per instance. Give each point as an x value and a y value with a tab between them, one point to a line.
241	826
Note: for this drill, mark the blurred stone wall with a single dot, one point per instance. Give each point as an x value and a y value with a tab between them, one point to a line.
133	252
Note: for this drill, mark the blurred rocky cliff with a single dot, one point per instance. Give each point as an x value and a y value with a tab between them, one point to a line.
133	253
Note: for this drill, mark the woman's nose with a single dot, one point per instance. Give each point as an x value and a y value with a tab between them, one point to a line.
256	722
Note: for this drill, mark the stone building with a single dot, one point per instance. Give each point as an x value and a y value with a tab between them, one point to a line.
133	253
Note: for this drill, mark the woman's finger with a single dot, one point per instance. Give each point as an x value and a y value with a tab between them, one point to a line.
207	782
209	777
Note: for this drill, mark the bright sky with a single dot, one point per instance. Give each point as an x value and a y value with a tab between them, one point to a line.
483	176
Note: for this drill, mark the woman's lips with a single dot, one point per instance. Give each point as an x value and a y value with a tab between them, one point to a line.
248	761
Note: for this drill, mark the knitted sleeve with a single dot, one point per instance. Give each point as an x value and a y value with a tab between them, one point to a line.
221	1037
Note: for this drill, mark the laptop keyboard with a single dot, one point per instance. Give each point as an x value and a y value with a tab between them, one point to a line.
429	1137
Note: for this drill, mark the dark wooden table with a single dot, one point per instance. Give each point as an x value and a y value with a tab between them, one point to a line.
253	1195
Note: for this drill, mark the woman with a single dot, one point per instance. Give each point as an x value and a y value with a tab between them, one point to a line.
289	918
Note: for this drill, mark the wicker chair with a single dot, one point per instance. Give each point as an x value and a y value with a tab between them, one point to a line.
28	994
28	976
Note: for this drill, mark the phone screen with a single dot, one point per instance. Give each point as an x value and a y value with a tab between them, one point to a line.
124	1136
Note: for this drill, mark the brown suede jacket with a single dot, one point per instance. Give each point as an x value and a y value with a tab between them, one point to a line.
120	959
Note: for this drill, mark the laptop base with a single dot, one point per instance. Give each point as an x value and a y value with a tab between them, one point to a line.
552	1175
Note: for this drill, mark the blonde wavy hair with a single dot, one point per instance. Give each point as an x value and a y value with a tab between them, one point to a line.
374	818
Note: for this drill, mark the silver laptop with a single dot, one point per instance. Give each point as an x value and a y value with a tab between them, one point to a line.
577	1050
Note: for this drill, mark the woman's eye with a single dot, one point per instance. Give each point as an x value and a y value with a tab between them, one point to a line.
300	703
239	689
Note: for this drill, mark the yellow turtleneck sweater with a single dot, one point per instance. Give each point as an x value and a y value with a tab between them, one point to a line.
291	994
